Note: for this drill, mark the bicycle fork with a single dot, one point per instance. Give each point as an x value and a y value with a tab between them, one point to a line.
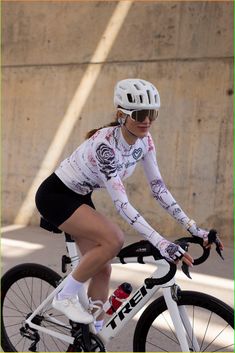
180	320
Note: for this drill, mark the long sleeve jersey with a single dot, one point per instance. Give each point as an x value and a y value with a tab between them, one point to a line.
104	161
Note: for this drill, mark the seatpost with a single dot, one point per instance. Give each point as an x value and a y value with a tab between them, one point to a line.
72	250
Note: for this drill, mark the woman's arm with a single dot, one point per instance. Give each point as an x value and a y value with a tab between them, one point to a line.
105	159
107	170
163	195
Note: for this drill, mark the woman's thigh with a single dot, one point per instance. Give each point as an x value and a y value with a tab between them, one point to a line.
87	223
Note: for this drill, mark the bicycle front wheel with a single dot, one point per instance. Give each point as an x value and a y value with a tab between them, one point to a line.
23	288
212	324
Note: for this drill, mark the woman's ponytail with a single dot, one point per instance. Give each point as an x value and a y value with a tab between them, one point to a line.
93	131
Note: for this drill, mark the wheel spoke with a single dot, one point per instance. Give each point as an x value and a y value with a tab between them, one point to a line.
20	296
11	316
16	334
15	308
215	337
190	335
173	333
207	321
21	338
25	341
206	330
12	325
44	344
29	292
46	295
164	334
16	295
221	349
154	345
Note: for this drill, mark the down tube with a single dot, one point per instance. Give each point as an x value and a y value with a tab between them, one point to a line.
126	312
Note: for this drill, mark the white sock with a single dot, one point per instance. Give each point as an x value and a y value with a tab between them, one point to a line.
98	325
71	288
82	294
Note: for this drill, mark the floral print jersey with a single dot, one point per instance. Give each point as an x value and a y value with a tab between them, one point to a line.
104	160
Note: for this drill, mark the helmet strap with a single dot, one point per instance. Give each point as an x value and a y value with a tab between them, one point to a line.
122	122
131	133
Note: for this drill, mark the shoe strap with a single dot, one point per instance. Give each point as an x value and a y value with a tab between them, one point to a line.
95	304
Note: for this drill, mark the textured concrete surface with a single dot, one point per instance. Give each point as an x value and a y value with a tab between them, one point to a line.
184	48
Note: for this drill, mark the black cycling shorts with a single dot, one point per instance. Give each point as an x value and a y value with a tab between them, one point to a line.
56	202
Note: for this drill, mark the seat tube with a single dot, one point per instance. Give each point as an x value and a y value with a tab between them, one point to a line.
176	319
72	250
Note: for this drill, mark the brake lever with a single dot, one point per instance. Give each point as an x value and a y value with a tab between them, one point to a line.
213	238
184	243
218	250
185	268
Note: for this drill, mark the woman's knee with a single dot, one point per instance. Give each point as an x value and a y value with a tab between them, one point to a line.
116	241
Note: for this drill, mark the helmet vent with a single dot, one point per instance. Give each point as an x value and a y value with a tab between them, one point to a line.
137	87
130	98
141	98
148	93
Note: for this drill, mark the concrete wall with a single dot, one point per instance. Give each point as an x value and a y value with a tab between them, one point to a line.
184	48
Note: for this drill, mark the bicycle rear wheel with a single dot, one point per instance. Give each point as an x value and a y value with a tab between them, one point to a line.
212	324
23	288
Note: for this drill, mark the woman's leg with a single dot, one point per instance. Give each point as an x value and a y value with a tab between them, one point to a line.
99	284
87	223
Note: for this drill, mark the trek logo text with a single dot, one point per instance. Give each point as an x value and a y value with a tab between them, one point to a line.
128	307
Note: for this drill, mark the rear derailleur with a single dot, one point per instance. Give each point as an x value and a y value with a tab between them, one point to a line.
32	335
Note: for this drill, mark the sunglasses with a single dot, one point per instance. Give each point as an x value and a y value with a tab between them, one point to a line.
140	115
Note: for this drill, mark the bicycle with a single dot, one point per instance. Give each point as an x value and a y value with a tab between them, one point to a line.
177	321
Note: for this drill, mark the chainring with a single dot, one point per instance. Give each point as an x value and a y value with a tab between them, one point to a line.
96	345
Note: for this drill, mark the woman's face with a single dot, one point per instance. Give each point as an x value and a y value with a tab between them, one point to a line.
139	129
132	129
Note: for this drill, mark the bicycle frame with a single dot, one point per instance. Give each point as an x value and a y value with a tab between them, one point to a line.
128	310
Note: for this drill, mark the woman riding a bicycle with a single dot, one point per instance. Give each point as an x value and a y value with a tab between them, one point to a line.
108	156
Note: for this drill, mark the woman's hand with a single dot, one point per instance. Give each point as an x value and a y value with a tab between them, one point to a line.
218	241
173	252
202	233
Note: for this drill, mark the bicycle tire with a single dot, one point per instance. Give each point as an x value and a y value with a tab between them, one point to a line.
23	288
154	330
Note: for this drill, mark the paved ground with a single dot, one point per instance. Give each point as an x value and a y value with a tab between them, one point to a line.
36	245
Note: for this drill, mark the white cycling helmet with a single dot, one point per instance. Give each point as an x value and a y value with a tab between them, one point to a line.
135	93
